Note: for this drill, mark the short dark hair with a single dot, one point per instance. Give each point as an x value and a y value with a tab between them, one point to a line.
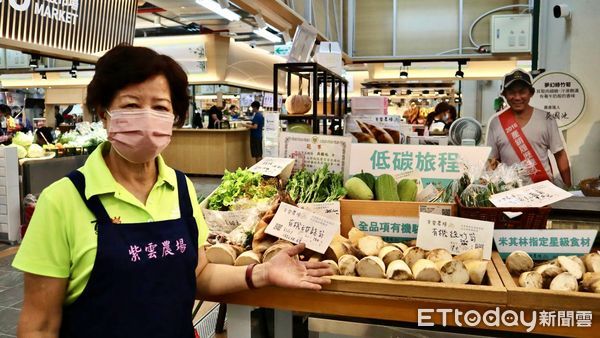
5	109
125	65
255	104
442	107
452	112
233	106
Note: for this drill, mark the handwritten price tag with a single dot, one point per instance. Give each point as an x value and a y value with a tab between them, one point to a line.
273	166
327	209
302	226
535	195
455	234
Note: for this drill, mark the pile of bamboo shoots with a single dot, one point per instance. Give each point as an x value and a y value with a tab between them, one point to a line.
565	273
369	256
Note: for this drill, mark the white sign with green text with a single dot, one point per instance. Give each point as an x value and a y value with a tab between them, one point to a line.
436	164
390	228
545	243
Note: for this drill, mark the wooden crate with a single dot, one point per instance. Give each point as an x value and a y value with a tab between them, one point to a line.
381	208
544	299
491	292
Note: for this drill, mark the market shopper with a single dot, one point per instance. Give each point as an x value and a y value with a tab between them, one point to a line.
215	117
115	249
256	131
523	133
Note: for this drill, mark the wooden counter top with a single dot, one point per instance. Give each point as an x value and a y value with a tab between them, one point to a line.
206	130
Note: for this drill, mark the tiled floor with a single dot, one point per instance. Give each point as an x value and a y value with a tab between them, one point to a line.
11	280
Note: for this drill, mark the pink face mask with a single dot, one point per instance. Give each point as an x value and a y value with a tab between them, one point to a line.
139	135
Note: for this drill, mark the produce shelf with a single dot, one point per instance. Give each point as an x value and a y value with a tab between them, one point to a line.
543	299
317	76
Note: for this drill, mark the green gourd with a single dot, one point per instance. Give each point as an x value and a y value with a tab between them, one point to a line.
385	188
357	189
407	190
369	179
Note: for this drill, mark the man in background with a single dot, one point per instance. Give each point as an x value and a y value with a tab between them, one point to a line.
522	133
256	131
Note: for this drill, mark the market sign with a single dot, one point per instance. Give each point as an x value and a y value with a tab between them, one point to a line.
561	96
67	28
455	234
545	244
436	164
311	152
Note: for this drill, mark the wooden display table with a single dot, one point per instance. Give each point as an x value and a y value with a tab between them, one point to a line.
394	301
208	151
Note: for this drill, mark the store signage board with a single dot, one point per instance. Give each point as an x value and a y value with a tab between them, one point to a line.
365	128
268	100
81	28
455	234
303	43
434	163
282	50
273	167
561	96
302	226
311	152
545	243
271	134
391	228
246	100
191	56
530	196
326	209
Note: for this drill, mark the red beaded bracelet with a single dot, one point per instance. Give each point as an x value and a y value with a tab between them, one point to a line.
249	270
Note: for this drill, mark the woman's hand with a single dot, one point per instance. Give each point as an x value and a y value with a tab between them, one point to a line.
285	270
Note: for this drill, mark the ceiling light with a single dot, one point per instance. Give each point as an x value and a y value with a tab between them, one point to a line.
393	92
408	92
74	75
216	8
441	92
426	91
264	33
404	69
43	74
403	74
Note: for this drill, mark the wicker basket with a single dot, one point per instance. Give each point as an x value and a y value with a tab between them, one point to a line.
532	218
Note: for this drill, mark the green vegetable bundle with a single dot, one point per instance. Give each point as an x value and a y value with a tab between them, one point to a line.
241	184
320	186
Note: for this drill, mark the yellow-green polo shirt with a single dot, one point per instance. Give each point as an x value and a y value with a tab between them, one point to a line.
61	241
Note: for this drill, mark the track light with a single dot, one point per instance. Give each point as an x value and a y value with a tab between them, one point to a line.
426	91
377	92
33	62
441	92
404	69
393	92
408	92
43	74
73	70
459	73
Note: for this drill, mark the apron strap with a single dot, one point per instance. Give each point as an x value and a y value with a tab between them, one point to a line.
185	205
93	203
